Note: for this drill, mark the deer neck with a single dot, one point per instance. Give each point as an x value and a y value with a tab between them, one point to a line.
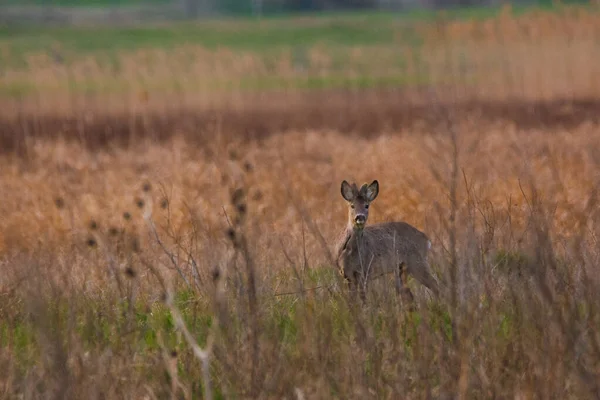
354	231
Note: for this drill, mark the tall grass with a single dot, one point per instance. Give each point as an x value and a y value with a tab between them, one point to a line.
239	236
196	260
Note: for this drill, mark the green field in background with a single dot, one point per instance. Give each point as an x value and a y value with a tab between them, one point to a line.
266	39
345	29
234	34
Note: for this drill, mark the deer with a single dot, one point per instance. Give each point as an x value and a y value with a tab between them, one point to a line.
366	252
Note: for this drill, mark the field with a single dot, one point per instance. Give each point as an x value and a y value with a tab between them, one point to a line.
171	206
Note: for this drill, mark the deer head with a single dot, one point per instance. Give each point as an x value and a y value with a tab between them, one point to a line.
358	202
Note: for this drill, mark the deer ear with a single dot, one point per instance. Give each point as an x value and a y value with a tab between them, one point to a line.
347	191
372	191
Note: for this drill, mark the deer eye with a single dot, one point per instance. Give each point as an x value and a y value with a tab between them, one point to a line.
366	206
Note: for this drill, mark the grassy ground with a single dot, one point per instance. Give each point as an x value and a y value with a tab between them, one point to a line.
511	55
339	28
236	34
158	243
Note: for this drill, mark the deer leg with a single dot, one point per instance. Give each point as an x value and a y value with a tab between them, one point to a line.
363	295
404	292
425	277
351	284
430	283
420	271
398	279
362	287
354	285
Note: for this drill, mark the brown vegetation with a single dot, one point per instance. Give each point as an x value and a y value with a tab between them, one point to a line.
367	114
195	260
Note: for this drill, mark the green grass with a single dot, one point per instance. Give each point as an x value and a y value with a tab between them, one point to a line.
334	29
100	322
242	35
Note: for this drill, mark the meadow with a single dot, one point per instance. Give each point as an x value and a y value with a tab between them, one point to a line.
171	206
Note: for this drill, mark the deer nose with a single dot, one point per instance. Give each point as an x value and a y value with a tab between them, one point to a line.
360	219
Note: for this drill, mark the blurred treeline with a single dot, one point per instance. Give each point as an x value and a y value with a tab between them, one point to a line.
195	8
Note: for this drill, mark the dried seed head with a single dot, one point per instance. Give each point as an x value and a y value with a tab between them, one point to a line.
238	219
174	353
231	234
216	274
127	215
112	231
59	202
139	203
233	155
91	242
237	196
257	196
93	225
248	167
241	208
130	272
146	187
164	203
135	244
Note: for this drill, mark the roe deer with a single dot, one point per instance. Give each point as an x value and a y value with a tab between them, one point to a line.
367	252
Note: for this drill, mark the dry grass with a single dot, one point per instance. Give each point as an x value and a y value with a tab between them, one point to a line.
537	55
66	210
102	185
192	259
366	113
